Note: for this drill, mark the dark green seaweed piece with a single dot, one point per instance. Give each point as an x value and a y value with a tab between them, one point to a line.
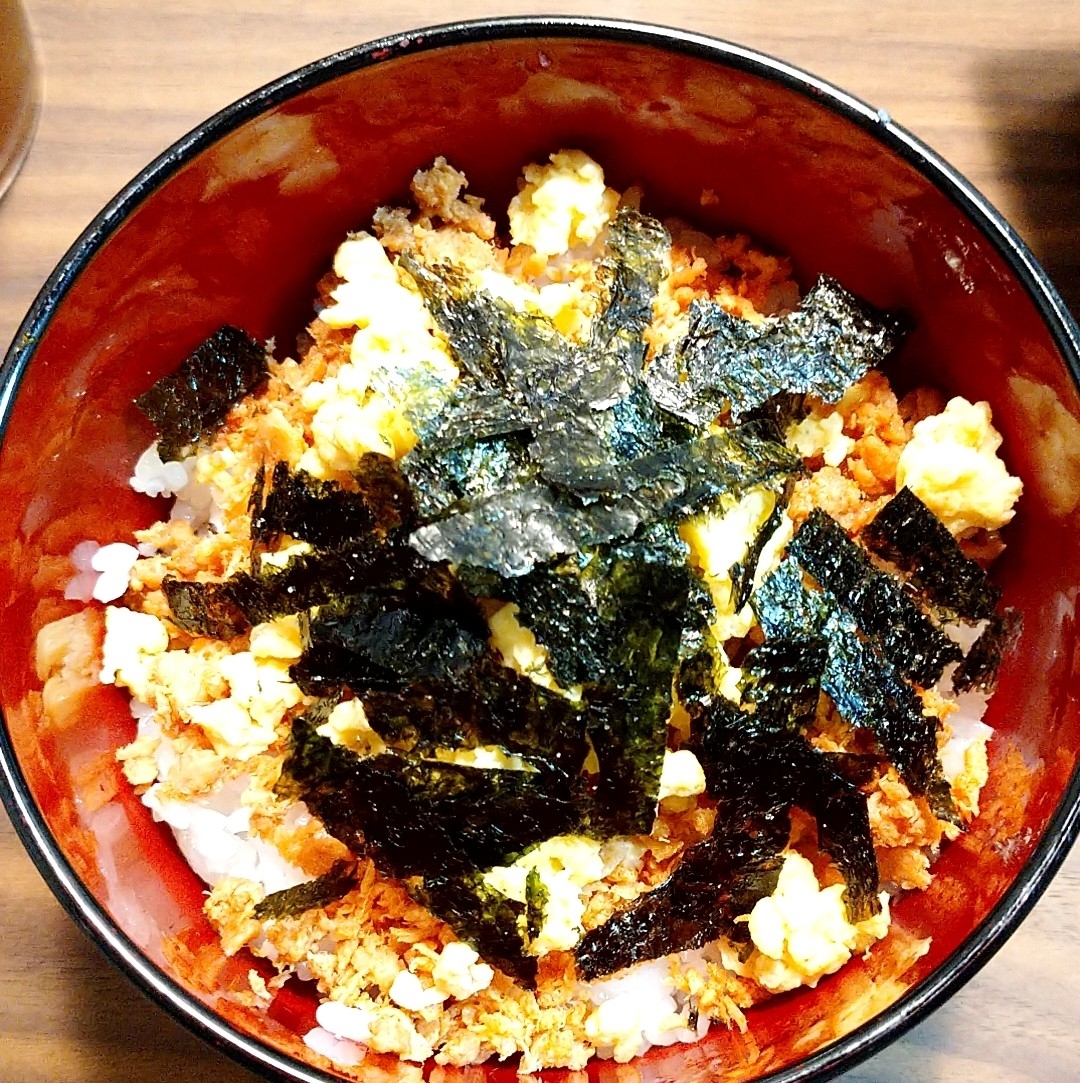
742	574
317	893
318	578
716	881
758	771
387	640
443	481
587	450
385	489
422	814
908	534
727	363
205	609
632	273
906	637
306	508
489	704
536	900
441	822
978	670
782	679
514	531
495	925
194	400
495	344
867	689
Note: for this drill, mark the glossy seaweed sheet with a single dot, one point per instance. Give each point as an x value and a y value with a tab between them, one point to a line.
191	402
868	690
909	535
727	364
904	634
758	767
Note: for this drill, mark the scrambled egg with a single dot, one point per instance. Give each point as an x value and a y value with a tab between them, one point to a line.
565	864
951	465
348	726
518	647
393	351
822	436
562	205
681	775
720	540
801	931
561	302
132	642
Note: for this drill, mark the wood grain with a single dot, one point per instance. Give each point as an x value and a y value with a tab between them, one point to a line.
993	85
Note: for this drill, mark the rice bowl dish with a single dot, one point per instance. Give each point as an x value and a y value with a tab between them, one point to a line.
621	602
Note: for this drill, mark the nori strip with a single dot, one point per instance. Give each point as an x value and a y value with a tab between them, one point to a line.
514	531
978	670
322	891
495	925
194	400
908	534
726	363
867	689
536	899
386	640
782	679
469	472
489	704
742	574
495	344
695	905
422	816
205	608
905	635
318	578
442	822
758	776
385	489
586	450
306	508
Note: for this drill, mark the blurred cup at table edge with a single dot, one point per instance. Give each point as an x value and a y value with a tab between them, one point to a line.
19	86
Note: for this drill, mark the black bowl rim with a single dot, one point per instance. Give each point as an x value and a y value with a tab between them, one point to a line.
1063	826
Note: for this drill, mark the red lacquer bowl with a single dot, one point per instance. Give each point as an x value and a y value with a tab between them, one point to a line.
235	224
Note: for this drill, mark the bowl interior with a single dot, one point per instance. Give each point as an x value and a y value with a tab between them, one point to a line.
238	224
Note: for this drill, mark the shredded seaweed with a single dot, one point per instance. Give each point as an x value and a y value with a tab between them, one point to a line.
205	608
488	704
471	472
742	574
194	400
300	506
905	635
866	688
978	670
442	822
782	680
908	534
313	895
697	904
536	900
514	531
727	364
387	640
494	925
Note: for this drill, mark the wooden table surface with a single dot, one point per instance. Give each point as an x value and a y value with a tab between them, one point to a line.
993	85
